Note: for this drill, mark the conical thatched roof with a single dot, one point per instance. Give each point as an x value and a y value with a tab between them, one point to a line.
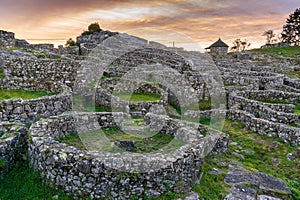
218	43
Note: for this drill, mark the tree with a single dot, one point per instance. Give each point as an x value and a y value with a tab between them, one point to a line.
92	28
70	42
291	30
270	36
240	45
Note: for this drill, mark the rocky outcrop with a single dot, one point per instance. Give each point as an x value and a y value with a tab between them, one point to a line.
7	40
254	185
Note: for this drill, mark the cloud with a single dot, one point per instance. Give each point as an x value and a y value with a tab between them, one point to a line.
203	20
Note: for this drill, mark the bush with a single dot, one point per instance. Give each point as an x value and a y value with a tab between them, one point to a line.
92	28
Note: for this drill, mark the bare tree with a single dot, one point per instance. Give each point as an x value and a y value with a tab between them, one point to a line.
270	36
240	45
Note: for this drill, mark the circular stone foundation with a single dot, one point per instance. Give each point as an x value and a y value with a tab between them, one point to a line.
29	111
107	95
100	174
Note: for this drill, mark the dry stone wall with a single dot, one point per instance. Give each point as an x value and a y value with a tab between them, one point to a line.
35	74
104	94
29	111
274	120
108	175
13	145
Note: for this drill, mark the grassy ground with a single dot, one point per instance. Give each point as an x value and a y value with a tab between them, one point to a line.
13	94
23	183
297	109
282	51
293	74
137	97
259	153
144	142
1	73
201	105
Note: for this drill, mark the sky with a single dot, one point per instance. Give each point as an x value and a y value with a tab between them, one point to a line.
191	24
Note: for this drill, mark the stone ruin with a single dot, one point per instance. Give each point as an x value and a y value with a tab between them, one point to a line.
252	90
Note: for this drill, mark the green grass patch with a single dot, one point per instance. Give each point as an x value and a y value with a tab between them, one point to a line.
24	183
201	105
1	72
137	97
264	153
72	140
2	164
297	109
23	94
144	141
212	186
177	108
293	74
261	158
292	51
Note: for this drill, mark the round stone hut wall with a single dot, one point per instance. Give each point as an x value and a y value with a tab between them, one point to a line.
116	175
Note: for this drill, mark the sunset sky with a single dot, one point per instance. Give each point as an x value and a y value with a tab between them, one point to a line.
182	21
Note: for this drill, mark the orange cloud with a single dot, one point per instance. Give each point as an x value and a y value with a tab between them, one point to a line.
202	20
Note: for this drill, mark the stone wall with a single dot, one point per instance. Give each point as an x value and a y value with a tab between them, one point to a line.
289	134
294	83
13	144
7	39
148	56
34	74
115	175
29	111
273	96
104	94
261	80
42	47
74	50
242	98
275	120
214	113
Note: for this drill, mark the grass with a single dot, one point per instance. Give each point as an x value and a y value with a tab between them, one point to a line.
292	51
23	94
212	186
137	97
23	183
297	109
144	142
2	164
201	105
72	140
1	73
293	74
262	159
